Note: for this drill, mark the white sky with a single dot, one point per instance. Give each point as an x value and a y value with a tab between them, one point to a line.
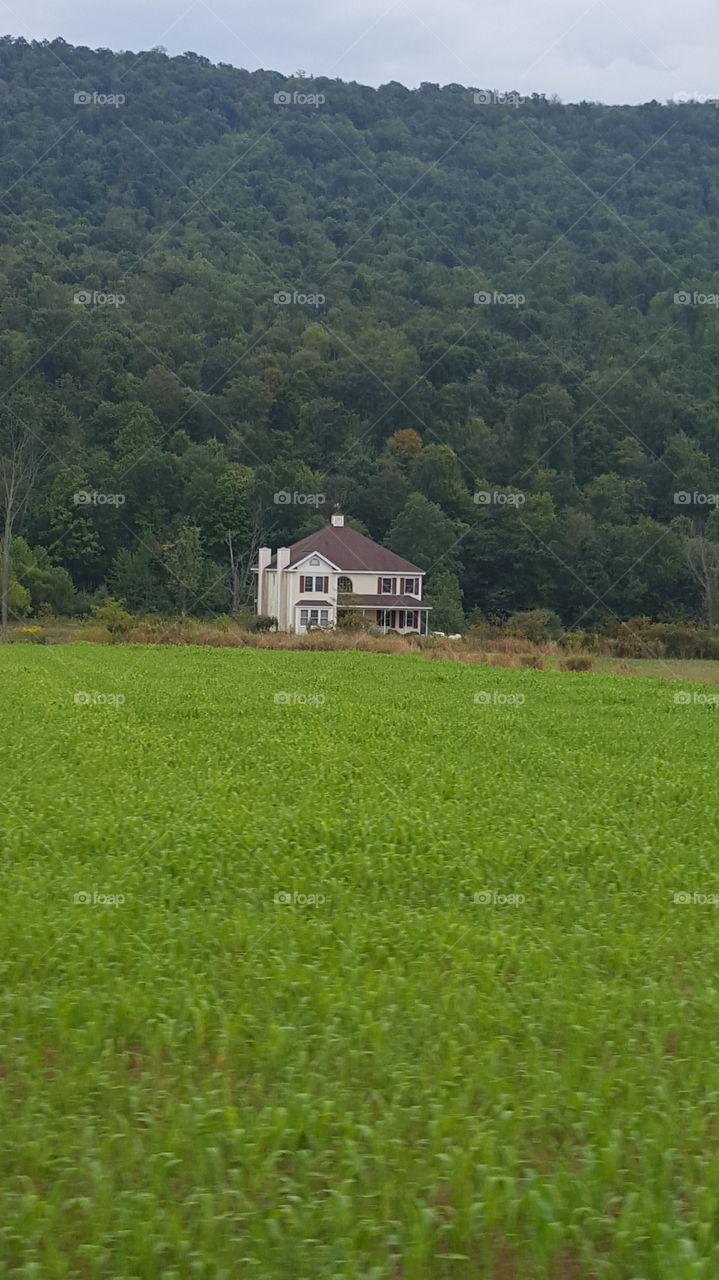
619	51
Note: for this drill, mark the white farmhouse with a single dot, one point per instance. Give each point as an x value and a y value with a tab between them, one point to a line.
335	569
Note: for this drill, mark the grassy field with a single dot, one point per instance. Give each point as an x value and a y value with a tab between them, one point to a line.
381	973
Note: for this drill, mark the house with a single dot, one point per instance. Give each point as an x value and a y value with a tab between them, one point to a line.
334	569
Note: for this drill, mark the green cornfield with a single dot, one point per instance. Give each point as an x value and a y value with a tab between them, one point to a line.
342	966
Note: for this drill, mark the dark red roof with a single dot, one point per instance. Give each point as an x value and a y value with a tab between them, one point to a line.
384	602
312	604
349	550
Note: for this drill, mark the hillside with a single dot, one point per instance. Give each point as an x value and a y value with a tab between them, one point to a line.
185	388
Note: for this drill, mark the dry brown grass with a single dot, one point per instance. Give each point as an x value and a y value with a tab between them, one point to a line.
497	641
502	660
577	662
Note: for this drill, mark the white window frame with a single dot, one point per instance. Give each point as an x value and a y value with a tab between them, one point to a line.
314	616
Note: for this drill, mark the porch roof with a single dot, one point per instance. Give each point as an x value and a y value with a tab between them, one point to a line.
384	602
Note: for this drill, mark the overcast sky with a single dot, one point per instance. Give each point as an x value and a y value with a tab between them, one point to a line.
620	51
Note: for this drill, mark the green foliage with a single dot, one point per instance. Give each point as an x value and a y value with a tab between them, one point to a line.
18	599
49	587
248	620
183	561
423	534
641	638
578	639
532	451
111	614
445	596
537	625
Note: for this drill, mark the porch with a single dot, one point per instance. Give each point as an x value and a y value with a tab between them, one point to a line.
391	613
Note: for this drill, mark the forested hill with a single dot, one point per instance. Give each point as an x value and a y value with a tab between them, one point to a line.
155	215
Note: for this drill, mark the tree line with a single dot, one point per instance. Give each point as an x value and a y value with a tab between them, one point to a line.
487	331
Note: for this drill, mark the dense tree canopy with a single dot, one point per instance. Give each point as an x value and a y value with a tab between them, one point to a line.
467	323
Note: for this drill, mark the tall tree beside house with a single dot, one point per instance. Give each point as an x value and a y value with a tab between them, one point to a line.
701	553
240	521
445	596
426	536
184	561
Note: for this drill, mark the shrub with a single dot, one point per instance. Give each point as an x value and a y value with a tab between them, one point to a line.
576	662
531	660
640	638
353	620
247	620
578	641
111	615
536	625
